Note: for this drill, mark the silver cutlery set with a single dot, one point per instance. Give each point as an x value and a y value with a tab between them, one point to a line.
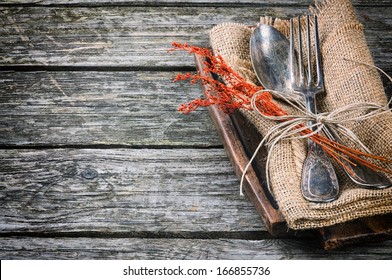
280	67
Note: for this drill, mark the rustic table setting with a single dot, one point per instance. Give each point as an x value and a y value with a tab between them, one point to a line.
96	162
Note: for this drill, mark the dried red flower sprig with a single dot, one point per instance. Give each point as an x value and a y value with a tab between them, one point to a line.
237	93
233	94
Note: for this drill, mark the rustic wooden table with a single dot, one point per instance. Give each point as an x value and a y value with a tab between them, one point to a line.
96	163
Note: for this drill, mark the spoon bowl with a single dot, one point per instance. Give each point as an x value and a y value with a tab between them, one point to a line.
269	52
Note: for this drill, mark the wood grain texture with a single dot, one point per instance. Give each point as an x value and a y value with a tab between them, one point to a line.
184	2
160	2
121	190
100	108
140	36
218	249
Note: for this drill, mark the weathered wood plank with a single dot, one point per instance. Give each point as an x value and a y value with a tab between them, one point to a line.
161	2
127	36
231	249
140	36
121	190
100	108
185	2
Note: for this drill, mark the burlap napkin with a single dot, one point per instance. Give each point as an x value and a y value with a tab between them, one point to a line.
346	82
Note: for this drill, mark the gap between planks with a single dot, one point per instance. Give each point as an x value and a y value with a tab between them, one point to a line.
243	235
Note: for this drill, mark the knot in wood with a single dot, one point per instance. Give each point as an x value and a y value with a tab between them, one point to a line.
89	174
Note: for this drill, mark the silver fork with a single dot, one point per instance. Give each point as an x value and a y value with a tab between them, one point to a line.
319	181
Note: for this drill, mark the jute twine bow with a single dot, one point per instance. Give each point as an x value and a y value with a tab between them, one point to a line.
291	127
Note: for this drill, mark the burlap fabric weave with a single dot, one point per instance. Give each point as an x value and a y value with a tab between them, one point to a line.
343	45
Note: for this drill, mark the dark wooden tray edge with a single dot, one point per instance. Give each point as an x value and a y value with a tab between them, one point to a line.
272	218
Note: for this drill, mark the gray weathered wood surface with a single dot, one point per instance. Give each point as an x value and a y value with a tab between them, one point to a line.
138	36
133	108
95	162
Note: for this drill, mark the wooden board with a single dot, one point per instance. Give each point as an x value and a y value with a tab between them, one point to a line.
240	139
178	3
71	248
139	36
101	109
137	192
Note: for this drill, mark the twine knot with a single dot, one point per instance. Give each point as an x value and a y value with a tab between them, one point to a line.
322	119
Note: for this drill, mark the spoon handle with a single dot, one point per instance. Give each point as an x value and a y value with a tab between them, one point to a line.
319	181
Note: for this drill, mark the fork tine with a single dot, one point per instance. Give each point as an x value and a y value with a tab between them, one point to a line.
300	65
309	53
319	67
